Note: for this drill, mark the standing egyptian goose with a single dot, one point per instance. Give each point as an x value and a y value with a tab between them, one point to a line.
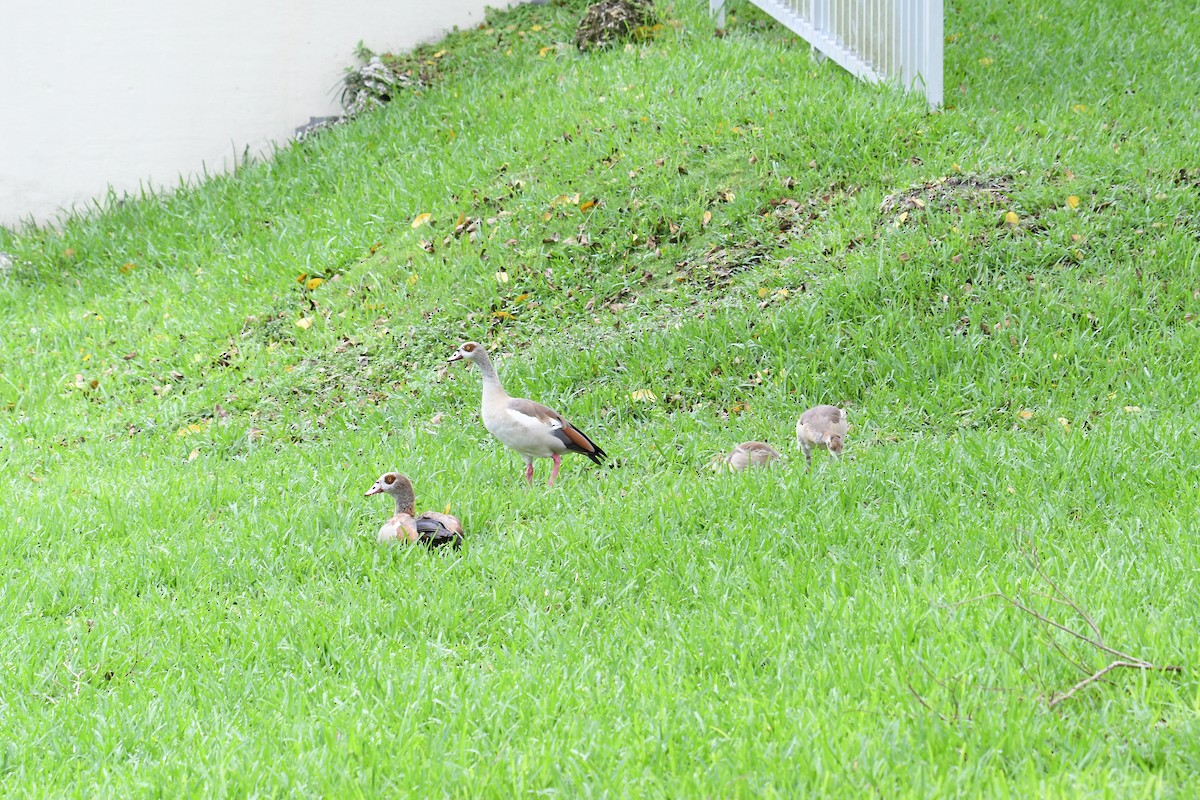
432	528
530	428
749	454
821	427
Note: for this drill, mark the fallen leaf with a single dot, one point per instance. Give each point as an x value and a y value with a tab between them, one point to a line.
436	419
707	218
544	50
1066	425
1079	108
1025	414
521	298
1073	202
192	456
985	62
313	283
128	268
421	219
412	279
643	395
502	276
587	205
763	291
502	315
304	322
1133	410
1012	219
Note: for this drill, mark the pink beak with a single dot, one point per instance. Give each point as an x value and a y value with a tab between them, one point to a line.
455	357
373	490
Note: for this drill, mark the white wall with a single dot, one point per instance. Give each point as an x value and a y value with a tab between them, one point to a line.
131	91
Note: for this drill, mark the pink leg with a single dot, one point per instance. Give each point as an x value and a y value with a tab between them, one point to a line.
554	472
529	473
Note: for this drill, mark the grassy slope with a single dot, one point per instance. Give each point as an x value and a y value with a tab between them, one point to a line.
228	622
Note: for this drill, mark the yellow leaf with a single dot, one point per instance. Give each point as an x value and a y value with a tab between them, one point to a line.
707	218
956	167
446	510
562	198
314	283
1079	108
521	297
502	276
546	217
304	322
781	293
1011	218
1066	425
192	456
1073	201
763	292
1025	414
421	219
462	217
544	50
502	315
125	268
587	205
302	277
534	28
643	395
1133	410
985	62
439	54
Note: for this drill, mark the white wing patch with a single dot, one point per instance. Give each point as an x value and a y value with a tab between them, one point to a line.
533	423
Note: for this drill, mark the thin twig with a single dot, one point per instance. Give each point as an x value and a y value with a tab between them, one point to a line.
1101	673
1073	632
1036	562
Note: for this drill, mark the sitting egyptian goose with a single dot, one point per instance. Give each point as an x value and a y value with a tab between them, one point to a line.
749	454
431	528
824	427
530	428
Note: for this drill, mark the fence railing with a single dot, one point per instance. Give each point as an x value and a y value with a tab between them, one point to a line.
876	40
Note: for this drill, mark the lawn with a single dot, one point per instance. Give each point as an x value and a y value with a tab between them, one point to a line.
680	244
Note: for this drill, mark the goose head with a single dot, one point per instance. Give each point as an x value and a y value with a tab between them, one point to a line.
396	485
470	351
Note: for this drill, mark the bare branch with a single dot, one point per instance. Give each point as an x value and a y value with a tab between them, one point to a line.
1036	562
1101	673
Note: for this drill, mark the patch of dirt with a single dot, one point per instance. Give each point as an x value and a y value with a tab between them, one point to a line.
717	267
608	21
954	194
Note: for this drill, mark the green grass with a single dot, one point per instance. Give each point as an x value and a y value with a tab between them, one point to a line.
193	599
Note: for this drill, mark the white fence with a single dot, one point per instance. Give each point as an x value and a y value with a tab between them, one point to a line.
876	40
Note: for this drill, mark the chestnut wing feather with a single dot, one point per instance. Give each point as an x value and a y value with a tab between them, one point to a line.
574	439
